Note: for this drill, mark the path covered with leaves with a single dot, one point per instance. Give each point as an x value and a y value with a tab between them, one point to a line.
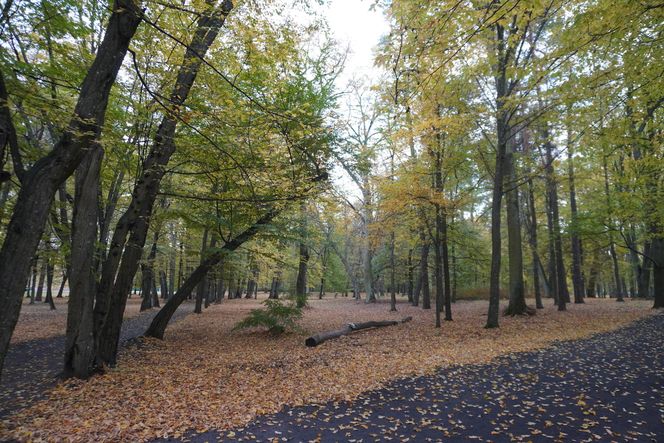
205	376
606	388
34	360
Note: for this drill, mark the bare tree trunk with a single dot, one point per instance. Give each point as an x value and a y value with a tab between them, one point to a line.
202	286
657	252
643	276
446	268
147	276
180	266
517	295
65	276
131	230
393	295
50	268
160	322
171	261
577	258
591	289
366	251
410	276
502	132
43	179
80	346
561	282
612	248
42	277
163	283
301	283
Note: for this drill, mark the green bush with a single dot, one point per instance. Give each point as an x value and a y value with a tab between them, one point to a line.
276	317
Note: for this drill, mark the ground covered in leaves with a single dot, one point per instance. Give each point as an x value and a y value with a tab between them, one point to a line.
204	376
37	320
35	356
606	388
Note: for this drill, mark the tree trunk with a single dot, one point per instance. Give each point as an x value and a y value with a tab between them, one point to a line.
180	266
42	277
80	347
422	284
562	294
163	283
171	262
612	248
155	295
643	275
50	269
410	276
33	285
393	295
424	275
301	282
43	179
533	243
317	339
517	295
65	276
131	230
147	273
502	132
366	251
324	259
446	268
202	286
160	322
657	251
577	259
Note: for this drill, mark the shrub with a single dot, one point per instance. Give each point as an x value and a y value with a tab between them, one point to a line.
276	317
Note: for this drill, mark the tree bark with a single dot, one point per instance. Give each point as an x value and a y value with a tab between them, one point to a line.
502	132
393	295
517	296
147	276
577	259
80	349
370	297
561	293
160	322
657	252
43	179
50	269
410	276
612	247
131	230
643	276
42	278
202	286
317	339
533	244
301	289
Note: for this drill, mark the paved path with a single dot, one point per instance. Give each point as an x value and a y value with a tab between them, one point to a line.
32	367
606	388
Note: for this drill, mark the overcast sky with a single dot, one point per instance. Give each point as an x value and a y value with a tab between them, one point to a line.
358	28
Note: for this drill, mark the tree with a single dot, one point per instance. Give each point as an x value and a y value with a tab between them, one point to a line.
41	181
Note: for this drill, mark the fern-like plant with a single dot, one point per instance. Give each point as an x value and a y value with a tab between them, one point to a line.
276	317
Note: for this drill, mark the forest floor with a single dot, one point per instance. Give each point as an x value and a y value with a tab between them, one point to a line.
35	356
609	387
204	376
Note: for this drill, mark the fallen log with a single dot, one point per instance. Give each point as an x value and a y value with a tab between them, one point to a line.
317	339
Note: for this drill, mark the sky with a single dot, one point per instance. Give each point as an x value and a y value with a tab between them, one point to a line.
358	28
